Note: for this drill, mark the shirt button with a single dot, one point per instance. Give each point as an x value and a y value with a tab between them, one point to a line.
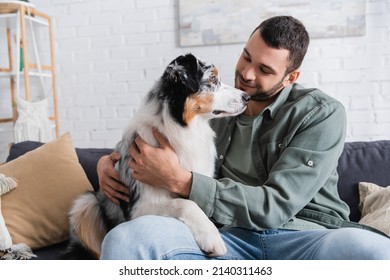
280	146
221	157
310	163
230	138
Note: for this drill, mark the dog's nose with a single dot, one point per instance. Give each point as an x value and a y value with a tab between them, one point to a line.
246	98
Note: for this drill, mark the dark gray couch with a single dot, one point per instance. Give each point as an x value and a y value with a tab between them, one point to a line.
360	162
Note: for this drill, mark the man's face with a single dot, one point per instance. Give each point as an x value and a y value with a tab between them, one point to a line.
260	70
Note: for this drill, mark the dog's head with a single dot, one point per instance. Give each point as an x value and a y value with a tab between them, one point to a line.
191	87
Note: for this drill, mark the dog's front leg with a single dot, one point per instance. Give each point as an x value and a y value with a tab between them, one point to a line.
206	234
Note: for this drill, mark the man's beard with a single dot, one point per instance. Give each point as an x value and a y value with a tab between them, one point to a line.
262	95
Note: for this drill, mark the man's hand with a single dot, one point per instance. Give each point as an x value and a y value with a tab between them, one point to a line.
109	179
159	167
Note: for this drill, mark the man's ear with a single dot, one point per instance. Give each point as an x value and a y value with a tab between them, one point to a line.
291	78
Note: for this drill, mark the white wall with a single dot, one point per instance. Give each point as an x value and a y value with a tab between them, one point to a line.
109	53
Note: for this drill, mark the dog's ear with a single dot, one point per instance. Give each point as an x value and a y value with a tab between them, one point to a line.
184	70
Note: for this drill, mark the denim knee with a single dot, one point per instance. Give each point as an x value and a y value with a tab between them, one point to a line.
354	243
146	237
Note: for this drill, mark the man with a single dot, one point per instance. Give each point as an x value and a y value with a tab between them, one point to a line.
275	187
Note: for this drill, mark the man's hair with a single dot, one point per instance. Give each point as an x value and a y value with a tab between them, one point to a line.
286	32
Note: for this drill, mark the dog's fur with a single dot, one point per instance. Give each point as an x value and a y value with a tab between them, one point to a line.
188	94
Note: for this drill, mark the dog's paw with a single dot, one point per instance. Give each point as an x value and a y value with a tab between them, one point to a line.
210	242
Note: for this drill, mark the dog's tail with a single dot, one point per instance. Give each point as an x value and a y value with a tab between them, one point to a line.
87	228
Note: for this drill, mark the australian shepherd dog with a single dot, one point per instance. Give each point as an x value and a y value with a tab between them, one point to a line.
180	105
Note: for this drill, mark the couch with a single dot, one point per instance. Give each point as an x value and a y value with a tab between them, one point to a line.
360	162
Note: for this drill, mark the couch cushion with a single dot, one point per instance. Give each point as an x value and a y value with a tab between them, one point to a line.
375	206
88	157
52	252
49	179
362	162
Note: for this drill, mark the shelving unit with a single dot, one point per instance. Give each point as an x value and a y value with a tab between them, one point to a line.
14	16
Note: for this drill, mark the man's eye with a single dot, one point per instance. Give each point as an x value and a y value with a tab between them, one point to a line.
264	70
246	57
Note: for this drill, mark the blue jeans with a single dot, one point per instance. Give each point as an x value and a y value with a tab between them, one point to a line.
164	238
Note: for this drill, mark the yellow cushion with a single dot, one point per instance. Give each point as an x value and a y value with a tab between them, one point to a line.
49	179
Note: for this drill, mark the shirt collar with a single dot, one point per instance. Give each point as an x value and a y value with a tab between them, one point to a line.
279	101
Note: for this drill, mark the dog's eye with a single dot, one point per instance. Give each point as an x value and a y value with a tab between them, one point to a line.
213	79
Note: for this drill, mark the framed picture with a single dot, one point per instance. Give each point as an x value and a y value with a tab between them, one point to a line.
213	22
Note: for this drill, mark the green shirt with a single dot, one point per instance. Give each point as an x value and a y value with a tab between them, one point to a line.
295	146
238	164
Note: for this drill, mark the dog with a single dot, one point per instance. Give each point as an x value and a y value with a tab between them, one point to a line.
179	105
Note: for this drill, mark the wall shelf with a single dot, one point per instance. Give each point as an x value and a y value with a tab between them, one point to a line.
13	16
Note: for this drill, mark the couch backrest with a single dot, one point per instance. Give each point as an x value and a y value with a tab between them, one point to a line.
362	162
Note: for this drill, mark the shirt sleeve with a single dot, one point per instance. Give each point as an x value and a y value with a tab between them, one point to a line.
304	173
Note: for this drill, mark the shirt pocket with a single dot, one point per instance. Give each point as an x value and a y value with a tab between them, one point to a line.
273	152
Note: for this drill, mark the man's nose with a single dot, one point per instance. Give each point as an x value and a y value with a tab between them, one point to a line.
249	73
